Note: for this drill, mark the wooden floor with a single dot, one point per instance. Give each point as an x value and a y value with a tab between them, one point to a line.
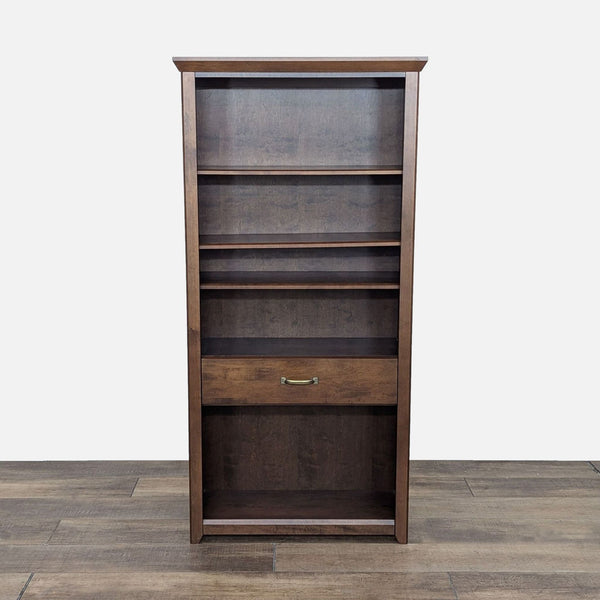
478	530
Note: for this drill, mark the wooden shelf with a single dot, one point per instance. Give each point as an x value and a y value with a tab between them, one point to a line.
312	65
304	280
299	512
299	240
210	76
299	504
306	347
341	170
298	526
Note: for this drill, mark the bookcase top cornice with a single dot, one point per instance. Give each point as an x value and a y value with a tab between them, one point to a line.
300	65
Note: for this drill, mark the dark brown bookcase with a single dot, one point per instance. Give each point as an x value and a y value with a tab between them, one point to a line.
299	210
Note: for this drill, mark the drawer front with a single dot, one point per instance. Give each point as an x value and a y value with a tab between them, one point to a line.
236	381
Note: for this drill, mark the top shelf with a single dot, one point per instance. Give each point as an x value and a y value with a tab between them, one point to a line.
336	64
358	170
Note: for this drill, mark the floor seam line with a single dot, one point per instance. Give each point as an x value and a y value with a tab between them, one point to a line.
452	585
137	480
53	532
274	556
594	467
25	586
472	494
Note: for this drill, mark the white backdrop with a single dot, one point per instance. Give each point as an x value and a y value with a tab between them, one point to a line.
507	293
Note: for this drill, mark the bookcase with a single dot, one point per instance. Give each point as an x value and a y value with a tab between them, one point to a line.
299	212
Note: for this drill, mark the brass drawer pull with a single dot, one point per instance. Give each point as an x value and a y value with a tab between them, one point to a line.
286	381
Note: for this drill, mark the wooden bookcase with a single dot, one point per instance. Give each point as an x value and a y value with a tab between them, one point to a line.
299	210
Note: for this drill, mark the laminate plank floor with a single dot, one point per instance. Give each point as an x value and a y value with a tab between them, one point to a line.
479	530
11	585
419	486
58	487
240	586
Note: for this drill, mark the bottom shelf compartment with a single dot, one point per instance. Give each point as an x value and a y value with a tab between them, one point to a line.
299	512
299	504
299	470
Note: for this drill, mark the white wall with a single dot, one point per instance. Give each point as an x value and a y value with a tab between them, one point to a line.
92	303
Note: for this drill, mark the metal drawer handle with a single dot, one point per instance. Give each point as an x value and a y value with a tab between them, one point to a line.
286	381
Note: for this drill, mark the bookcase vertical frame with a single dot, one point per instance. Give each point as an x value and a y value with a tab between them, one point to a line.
190	172
407	229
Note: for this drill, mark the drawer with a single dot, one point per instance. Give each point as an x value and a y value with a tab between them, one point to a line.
236	381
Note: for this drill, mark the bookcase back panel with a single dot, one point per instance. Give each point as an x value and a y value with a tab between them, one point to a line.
232	204
299	122
310	259
299	448
341	347
299	313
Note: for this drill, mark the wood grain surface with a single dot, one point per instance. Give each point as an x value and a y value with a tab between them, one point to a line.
300	448
311	172
158	507
346	381
253	241
537	537
26	531
51	469
420	487
489	557
11	585
240	586
122	531
532	487
284	125
516	528
595	465
299	313
333	64
526	586
192	261
407	235
81	487
115	558
514	469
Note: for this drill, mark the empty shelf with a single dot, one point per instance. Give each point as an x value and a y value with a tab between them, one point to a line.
293	170
299	504
308	280
324	347
298	240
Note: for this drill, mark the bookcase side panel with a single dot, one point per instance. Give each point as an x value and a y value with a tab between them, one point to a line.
188	93
405	303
